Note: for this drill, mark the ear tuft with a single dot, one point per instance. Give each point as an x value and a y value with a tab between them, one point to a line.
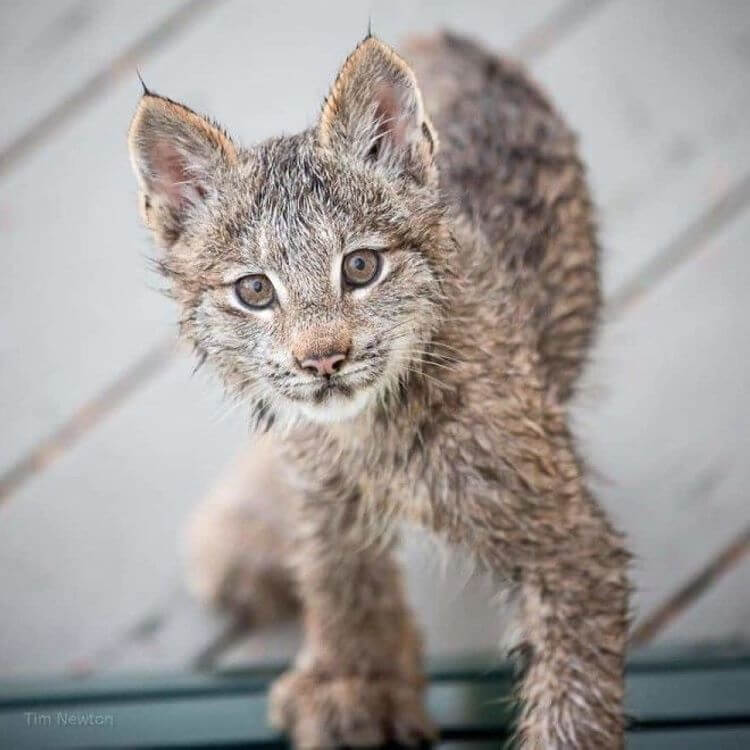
375	111
177	156
146	90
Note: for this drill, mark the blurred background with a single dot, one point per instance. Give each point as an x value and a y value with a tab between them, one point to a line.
108	442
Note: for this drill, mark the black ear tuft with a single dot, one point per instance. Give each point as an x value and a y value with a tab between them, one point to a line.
146	91
375	111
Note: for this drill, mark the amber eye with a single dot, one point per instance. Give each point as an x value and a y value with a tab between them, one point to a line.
360	267
255	291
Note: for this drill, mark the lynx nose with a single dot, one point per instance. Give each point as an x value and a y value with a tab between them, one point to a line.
325	365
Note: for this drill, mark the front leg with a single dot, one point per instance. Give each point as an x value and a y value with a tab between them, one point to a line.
358	680
520	502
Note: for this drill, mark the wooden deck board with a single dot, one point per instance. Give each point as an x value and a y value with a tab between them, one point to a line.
659	100
720	616
48	50
671	428
660	93
90	548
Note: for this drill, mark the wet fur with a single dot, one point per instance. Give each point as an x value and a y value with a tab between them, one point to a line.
470	349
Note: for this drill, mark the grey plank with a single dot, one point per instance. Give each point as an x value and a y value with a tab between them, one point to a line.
168	637
660	93
669	428
48	50
272	644
722	614
659	377
694	589
50	378
90	549
457	607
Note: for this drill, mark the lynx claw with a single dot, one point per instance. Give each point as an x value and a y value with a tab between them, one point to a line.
324	713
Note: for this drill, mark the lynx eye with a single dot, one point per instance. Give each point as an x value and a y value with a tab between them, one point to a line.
360	267
255	291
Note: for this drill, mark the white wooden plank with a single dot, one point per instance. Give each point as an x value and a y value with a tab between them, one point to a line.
670	430
273	644
50	376
49	50
113	273
660	93
169	638
721	615
457	607
89	548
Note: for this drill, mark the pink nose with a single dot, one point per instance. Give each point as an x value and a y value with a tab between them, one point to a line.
323	366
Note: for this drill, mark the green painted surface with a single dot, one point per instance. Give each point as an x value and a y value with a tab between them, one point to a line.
677	703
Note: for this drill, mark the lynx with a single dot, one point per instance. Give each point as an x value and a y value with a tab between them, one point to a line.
404	295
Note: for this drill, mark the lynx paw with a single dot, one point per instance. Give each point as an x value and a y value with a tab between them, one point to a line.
320	712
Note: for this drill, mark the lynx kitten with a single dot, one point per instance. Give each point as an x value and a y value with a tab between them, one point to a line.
404	295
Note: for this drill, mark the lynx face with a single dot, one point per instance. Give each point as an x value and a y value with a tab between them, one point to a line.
308	268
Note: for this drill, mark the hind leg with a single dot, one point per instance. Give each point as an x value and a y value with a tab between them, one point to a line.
236	543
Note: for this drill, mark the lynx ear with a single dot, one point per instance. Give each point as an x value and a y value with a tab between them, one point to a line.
375	112
177	156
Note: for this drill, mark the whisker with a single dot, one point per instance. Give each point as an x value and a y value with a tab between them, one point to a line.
423	374
433	355
429	362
